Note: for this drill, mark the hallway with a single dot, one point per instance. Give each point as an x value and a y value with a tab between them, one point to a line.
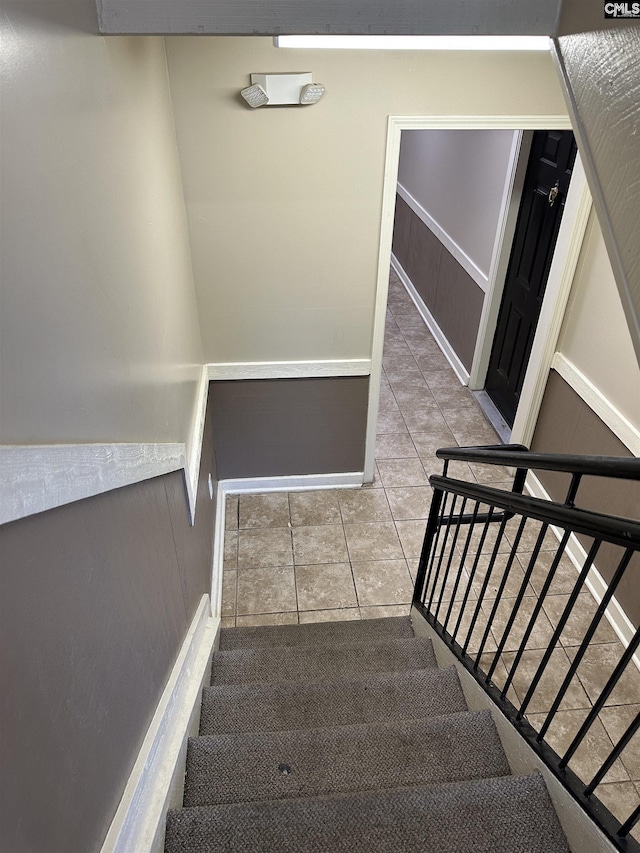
342	554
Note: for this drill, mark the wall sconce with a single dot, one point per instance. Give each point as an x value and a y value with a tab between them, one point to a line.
282	89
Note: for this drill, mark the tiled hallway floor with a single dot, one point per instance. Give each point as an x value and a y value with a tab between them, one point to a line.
352	553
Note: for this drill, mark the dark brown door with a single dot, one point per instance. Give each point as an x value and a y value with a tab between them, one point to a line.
551	160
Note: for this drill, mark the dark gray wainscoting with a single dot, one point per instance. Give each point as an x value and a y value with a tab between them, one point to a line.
567	425
282	427
96	598
446	288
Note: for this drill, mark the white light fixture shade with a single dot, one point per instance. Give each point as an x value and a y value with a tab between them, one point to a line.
415	42
311	93
255	96
282	90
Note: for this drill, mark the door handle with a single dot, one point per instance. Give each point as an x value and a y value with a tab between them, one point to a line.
553	194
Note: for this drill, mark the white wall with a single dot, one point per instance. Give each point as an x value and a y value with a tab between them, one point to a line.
595	336
285	204
458	178
99	332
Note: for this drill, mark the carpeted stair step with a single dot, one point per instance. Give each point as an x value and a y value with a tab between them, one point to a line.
510	814
322	633
317	762
413	695
297	663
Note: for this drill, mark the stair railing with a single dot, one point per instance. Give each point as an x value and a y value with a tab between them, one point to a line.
482	549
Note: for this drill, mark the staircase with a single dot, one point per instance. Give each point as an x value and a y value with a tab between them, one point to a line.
345	737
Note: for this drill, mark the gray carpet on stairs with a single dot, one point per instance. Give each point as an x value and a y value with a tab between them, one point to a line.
264	766
276	707
298	663
325	633
505	815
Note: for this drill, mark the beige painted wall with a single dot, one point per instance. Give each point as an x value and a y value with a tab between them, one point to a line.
99	332
284	204
595	335
458	177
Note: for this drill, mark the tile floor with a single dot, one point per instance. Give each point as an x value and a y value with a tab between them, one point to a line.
352	553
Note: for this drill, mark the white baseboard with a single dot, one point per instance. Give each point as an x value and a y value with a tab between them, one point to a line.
294	483
289	369
157	778
450	354
595	583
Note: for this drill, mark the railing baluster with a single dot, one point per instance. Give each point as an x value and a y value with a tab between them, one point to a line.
602	698
451	552
485	584
472	572
428	546
537	608
613	756
503	583
442	550
462	562
593	627
559	627
631	821
516	606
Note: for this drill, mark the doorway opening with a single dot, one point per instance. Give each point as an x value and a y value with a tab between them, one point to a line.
476	367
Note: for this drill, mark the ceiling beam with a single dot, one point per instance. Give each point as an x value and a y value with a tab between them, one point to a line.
328	17
601	73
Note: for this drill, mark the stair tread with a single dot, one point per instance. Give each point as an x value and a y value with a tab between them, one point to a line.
232	709
296	663
315	762
324	632
497	815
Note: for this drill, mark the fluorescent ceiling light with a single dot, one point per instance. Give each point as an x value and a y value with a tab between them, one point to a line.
416	42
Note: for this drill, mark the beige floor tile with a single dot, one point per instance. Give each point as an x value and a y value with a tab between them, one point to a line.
409	502
530	535
231	512
271	510
290	618
450	583
319	544
436	435
228	607
228	622
309	509
616	721
593	751
564	579
394	446
345	614
515	578
264	547
325	587
266	590
542	629
492	475
550	683
373	542
499	675
452	397
395	347
414	396
427	421
385	611
476	536
596	668
390	422
456	470
382	582
579	621
621	798
411	535
230	553
376	483
461	627
357	505
470	427
443	379
401	472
